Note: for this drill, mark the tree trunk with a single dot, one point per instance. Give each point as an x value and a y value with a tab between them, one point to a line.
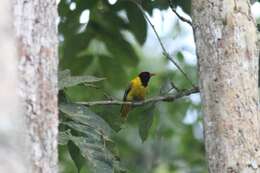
11	128
36	32
228	67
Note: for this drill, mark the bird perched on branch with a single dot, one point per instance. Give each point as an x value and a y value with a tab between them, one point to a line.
136	91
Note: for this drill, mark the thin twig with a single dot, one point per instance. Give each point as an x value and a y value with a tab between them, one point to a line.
175	87
165	53
179	16
167	98
184	20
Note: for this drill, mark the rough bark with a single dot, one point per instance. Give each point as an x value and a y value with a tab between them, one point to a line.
11	128
36	32
228	67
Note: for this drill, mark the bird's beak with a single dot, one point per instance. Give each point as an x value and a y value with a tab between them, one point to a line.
152	74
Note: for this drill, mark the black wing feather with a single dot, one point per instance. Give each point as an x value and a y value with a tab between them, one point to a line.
125	108
126	92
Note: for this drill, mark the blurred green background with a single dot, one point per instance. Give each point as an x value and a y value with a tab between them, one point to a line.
112	39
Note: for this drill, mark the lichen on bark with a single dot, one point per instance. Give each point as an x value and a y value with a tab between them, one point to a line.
36	33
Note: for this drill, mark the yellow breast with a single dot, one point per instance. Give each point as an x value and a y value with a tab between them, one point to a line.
137	91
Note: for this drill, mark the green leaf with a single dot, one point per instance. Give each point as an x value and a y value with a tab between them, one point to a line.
82	114
185	5
146	121
63	74
149	5
89	4
63	137
180	57
121	49
84	130
69	22
114	70
116	44
92	138
65	80
63	8
99	158
74	44
111	113
79	65
76	156
109	21
137	22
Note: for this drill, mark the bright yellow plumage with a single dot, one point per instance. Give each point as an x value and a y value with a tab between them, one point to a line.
136	91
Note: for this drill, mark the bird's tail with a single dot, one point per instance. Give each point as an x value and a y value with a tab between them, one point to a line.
124	110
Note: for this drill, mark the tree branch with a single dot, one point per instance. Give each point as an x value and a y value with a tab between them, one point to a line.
167	98
179	16
165	53
184	20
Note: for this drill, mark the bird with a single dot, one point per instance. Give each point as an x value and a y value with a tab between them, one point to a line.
136	91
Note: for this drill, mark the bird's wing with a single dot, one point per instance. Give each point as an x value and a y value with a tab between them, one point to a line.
125	108
126	92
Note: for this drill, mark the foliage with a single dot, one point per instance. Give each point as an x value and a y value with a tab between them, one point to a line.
85	133
66	80
97	59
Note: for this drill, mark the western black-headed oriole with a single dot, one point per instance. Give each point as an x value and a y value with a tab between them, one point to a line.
136	91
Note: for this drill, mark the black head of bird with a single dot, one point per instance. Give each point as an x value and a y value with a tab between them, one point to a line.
145	77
